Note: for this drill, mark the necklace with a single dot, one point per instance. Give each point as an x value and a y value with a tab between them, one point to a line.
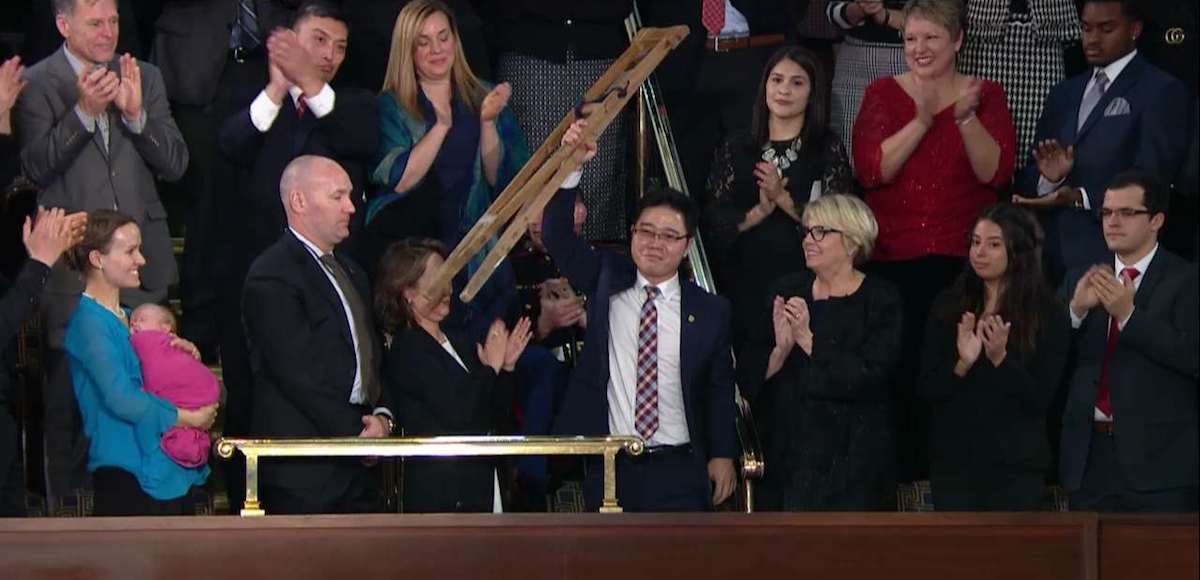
120	314
782	160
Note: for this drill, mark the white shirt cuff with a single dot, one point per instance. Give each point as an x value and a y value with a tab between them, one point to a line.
1121	324
572	180
1076	321
383	411
137	125
1087	204
322	103
1046	187
89	122
263	111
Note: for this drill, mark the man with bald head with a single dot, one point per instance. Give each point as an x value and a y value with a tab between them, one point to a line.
314	350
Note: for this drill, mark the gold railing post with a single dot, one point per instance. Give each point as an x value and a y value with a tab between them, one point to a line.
251	506
610	506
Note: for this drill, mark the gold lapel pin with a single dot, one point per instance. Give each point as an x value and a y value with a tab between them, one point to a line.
691	318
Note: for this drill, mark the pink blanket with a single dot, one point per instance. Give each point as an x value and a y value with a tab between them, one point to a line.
183	381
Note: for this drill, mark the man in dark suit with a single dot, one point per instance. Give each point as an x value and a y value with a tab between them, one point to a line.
1122	113
95	132
1129	439
213	60
296	113
656	361
313	346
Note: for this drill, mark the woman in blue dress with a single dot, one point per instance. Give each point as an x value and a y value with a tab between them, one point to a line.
124	424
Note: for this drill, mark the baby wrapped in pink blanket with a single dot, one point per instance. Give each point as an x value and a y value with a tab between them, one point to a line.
176	377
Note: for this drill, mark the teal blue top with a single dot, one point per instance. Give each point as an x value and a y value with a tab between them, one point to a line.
123	423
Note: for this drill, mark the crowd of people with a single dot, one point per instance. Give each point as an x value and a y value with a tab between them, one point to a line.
887	227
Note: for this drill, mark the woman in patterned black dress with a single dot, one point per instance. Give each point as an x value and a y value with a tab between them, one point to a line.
762	179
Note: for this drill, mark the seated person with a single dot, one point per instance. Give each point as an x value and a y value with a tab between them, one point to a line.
175	376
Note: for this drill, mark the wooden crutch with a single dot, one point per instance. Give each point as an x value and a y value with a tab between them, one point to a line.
549	166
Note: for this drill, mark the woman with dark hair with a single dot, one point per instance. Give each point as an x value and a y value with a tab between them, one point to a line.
995	348
762	179
441	384
131	474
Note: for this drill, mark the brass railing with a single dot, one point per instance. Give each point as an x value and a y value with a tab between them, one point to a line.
479	446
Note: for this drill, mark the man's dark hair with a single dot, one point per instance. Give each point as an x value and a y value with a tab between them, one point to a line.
1155	196
319	9
1130	8
674	200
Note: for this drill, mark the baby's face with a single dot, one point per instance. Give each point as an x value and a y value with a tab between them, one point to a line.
150	320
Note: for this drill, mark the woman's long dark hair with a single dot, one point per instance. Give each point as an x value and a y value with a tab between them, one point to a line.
1024	291
816	114
401	267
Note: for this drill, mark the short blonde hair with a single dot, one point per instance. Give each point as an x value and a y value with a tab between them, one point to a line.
948	14
849	215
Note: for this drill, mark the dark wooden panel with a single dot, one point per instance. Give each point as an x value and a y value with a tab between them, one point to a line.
1143	547
583	546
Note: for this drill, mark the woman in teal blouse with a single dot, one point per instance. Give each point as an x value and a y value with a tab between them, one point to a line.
131	474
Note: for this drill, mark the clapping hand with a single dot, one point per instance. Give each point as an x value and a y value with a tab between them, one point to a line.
11	83
782	322
801	331
129	92
285	52
1054	161
1085	298
968	100
516	342
97	87
770	183
494	102
1115	295
52	233
1065	196
967	342
491	352
925	101
994	332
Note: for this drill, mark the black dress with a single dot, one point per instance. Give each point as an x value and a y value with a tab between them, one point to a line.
825	419
988	447
436	396
747	263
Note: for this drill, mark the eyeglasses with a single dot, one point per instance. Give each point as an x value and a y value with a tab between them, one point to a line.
818	233
1124	213
650	234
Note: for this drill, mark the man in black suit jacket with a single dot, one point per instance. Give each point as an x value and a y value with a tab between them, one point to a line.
261	140
1129	440
687	416
313	346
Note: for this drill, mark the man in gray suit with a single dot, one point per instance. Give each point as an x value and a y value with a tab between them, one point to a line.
95	131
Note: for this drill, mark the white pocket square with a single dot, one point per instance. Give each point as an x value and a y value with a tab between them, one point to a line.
1117	106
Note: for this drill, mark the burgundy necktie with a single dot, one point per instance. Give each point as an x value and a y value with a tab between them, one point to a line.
301	107
1110	349
712	15
646	405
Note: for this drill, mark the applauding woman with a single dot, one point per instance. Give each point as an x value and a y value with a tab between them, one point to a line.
931	148
762	180
817	373
994	350
448	146
123	423
443	383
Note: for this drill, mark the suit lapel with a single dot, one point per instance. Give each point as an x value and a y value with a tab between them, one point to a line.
314	274
1155	273
689	337
1118	88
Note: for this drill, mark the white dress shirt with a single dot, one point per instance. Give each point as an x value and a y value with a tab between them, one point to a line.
1112	71
624	318
735	22
1118	266
264	111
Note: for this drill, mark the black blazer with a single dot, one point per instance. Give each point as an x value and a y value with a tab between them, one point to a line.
302	356
349	134
993	420
705	360
1152	385
435	396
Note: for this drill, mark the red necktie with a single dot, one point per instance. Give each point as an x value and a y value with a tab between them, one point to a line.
301	107
1110	349
712	14
646	405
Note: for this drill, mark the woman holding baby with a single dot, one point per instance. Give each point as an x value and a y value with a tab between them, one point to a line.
124	424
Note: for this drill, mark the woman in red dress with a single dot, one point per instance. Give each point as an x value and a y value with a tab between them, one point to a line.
931	148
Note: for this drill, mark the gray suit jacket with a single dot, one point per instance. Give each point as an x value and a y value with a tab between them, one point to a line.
74	171
191	42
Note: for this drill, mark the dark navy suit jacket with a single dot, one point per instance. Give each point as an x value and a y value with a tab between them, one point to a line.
705	359
1153	384
1141	121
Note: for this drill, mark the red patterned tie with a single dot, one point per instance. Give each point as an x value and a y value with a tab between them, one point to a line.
301	107
712	14
646	405
1102	399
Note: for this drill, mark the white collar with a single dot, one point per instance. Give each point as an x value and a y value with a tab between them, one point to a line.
297	93
312	248
1114	68
1141	265
667	288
